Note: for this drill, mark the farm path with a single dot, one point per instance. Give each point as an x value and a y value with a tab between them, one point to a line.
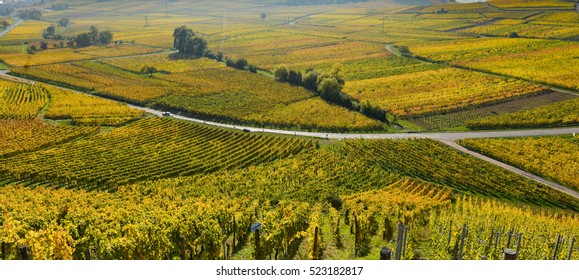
18	22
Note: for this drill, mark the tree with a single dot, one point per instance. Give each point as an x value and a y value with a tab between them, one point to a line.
186	41
64	22
263	16
32	48
330	89
105	37
4	24
241	63
294	77
149	70
310	80
93	35
281	72
83	40
50	31
180	36
514	35
43	45
195	46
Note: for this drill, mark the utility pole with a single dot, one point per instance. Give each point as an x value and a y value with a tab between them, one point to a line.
166	8
146	22
383	22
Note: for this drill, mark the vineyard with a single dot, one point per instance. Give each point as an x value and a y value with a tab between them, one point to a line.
21	101
437	91
60	55
87	176
146	150
19	136
506	111
516	57
102	225
562	113
433	161
87	110
555	158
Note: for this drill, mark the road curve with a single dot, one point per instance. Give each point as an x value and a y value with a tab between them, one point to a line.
511	168
453	136
447	138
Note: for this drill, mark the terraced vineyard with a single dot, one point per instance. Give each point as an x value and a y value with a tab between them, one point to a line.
169	149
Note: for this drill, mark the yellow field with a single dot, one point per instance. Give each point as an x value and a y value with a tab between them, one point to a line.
313	113
25	32
531	4
87	110
436	91
164	63
553	157
50	56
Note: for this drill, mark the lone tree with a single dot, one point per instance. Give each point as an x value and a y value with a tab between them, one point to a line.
263	16
149	70
64	22
187	42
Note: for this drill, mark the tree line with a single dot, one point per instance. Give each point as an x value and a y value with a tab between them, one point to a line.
328	85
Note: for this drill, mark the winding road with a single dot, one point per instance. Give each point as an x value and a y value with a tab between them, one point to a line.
448	138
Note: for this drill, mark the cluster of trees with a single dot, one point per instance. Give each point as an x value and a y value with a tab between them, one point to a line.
4	24
328	85
31	14
187	42
50	32
93	37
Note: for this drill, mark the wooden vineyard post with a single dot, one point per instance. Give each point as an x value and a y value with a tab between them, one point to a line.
315	249
399	242
234	230
556	246
509	254
519	244
569	255
87	254
257	250
462	239
24	252
3	251
385	253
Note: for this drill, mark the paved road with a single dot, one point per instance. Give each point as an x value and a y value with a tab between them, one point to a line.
5	31
523	173
447	138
